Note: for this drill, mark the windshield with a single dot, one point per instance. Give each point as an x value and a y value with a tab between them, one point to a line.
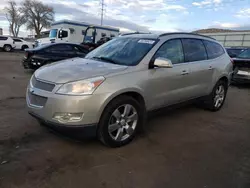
53	33
245	54
123	51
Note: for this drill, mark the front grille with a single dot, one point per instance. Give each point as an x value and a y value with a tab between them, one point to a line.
42	85
37	100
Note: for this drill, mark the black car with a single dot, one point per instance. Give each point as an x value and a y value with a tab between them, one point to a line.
39	56
235	51
242	67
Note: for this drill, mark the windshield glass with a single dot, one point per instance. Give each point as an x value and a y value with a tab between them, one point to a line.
245	54
53	33
123	51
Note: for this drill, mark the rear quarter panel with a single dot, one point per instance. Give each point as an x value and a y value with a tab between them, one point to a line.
222	68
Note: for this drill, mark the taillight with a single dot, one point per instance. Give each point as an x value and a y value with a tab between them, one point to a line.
13	42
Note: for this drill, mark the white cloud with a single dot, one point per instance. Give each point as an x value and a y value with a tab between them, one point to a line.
207	3
244	13
129	15
226	25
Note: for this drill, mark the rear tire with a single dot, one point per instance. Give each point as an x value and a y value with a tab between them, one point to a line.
7	48
216	99
118	126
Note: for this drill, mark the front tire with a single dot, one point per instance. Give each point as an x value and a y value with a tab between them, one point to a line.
217	97
120	121
24	47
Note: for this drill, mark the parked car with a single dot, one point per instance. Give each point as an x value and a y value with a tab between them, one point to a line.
7	43
39	56
242	67
22	44
110	90
235	51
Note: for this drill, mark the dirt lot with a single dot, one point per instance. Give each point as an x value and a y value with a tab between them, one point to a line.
186	147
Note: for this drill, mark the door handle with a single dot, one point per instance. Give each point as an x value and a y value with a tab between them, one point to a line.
184	72
210	68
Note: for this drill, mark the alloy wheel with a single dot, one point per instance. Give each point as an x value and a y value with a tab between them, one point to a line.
219	96
123	122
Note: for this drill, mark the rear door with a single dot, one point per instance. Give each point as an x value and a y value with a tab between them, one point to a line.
200	72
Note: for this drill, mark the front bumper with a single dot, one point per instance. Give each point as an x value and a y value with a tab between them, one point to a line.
90	105
86	131
28	64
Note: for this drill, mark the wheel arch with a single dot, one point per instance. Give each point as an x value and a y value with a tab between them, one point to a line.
133	92
224	78
24	46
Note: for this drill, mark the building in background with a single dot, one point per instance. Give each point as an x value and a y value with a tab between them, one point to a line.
229	38
1	31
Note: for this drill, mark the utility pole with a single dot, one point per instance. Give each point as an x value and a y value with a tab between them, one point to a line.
102	10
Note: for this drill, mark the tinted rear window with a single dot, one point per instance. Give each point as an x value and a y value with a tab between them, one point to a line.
214	50
17	40
3	38
194	50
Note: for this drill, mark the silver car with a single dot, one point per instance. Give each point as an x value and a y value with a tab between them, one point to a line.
110	91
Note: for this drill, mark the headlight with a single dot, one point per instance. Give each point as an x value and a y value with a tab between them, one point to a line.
82	87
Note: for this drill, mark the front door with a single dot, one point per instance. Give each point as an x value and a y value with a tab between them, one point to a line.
169	85
18	44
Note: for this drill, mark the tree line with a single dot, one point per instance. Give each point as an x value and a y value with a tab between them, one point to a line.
32	13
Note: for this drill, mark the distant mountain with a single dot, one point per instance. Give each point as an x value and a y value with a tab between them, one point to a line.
217	30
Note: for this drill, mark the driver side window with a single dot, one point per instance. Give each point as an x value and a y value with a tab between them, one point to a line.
171	50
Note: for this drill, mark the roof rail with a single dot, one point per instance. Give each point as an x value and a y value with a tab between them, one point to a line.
196	34
133	33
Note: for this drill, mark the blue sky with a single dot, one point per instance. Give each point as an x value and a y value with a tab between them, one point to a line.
153	16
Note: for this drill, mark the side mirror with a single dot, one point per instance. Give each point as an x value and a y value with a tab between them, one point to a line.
163	63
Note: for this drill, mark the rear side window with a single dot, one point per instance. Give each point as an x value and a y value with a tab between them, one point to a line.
171	50
60	48
3	38
17	40
194	50
214	50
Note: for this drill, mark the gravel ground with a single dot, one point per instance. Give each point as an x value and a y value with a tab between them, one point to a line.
185	147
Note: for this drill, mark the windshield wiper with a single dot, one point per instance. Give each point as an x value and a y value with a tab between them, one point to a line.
106	59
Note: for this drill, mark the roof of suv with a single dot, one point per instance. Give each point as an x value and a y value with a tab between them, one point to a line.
154	36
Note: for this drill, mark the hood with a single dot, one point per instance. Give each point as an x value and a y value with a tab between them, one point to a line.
76	69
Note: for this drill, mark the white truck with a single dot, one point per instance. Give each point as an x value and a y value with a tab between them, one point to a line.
78	32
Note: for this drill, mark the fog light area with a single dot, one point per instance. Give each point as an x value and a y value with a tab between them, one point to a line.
68	117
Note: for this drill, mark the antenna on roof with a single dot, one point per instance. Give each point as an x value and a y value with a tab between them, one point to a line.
102	10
